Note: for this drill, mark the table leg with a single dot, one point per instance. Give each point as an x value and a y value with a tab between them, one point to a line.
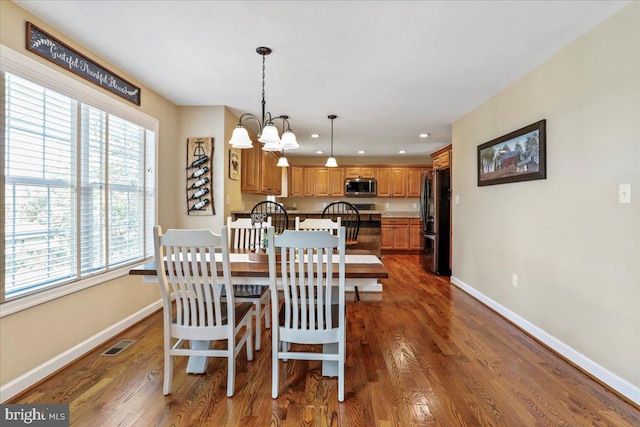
197	364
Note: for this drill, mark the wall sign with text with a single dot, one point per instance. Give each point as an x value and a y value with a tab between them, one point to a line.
52	49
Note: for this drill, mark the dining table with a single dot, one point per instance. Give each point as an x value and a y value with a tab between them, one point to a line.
363	272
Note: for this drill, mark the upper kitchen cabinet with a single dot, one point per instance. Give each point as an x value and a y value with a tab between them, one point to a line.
259	171
309	185
414	181
391	181
442	158
329	182
359	172
296	181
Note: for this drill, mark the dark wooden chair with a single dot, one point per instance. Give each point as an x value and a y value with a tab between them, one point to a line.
275	211
349	219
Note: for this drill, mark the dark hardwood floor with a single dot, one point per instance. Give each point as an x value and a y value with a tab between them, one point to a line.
423	353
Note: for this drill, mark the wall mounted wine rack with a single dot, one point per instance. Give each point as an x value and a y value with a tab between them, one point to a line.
200	176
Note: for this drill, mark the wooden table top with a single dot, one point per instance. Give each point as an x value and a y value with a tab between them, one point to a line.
353	270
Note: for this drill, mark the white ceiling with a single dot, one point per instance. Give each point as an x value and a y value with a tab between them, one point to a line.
388	70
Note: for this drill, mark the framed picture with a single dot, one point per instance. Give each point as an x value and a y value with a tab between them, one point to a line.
517	156
234	164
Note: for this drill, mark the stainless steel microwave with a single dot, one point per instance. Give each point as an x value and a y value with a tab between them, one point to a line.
360	187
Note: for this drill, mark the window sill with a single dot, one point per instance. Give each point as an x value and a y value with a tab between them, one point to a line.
28	301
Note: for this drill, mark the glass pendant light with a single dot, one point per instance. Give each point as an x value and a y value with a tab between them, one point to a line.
331	161
282	161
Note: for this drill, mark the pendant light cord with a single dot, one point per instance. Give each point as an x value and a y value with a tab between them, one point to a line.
331	137
263	92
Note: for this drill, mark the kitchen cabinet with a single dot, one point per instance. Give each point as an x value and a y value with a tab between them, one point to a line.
394	233
329	182
359	172
309	185
383	178
271	174
312	181
397	184
391	182
295	184
414	181
251	160
442	158
259	171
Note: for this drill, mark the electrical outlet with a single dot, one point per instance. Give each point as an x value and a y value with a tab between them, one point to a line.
624	193
514	280
387	205
457	199
415	205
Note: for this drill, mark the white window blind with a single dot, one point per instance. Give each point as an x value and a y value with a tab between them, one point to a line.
79	189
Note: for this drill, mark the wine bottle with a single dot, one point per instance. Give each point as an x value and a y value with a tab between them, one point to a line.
200	183
199	172
200	193
199	161
201	204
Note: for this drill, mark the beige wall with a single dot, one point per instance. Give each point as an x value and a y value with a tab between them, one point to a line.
32	337
575	249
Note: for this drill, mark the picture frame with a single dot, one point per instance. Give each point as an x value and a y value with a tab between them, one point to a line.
520	155
234	164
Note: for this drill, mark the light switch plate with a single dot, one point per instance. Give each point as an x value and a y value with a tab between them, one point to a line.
457	200
624	193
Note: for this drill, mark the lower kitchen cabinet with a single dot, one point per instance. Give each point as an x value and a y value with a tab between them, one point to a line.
401	234
394	233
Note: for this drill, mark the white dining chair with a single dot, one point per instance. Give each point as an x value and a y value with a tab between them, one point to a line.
243	235
190	275
327	224
313	308
318	224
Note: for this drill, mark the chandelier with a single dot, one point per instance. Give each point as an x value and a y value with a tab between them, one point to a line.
267	134
331	161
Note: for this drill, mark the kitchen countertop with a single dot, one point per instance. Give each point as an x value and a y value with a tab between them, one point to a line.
384	214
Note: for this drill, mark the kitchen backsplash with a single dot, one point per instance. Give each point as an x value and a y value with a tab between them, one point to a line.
381	203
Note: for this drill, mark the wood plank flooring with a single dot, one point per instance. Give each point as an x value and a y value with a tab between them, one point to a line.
423	353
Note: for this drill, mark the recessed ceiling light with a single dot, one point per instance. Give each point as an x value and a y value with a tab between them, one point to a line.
315	135
424	135
319	152
402	151
360	151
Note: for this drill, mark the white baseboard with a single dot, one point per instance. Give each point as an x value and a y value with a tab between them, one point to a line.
612	380
23	382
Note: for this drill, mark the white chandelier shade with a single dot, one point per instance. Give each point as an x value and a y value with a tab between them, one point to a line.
269	135
240	138
289	141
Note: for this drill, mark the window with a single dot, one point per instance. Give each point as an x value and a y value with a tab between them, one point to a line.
79	189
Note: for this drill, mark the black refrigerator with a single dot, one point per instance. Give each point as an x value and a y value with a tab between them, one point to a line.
435	208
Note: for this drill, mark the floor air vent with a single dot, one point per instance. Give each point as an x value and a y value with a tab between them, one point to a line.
116	349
